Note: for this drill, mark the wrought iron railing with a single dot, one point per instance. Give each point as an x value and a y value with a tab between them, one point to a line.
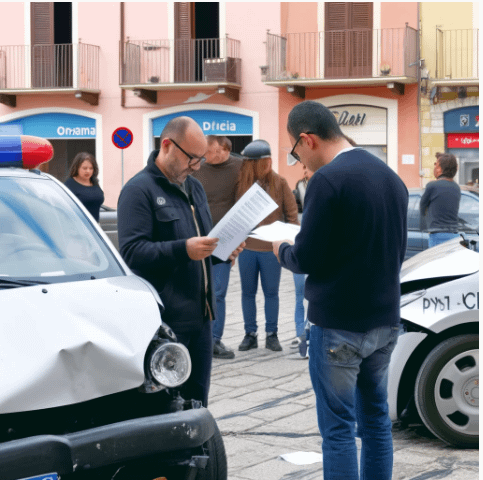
180	61
339	54
49	66
457	54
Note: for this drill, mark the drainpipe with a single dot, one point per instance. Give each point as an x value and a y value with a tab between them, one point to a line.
121	55
419	98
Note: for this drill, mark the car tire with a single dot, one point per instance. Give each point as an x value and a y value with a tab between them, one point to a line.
446	391
217	467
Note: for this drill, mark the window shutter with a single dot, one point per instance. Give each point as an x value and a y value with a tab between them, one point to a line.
42	44
361	41
183	64
336	39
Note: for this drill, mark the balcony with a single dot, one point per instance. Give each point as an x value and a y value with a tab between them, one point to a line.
456	58
53	69
149	66
342	58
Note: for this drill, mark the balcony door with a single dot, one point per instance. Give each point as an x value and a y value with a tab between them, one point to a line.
196	39
348	39
51	44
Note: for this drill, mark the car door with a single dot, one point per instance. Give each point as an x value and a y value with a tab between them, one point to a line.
468	219
415	236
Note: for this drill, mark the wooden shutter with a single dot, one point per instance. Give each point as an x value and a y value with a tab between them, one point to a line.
42	44
361	41
336	39
348	39
183	48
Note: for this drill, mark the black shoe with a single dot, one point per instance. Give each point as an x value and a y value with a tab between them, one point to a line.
221	351
272	342
250	341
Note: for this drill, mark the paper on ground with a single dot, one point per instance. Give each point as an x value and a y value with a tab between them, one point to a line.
302	458
241	219
276	231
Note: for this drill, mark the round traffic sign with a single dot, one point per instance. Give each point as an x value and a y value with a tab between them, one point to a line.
122	137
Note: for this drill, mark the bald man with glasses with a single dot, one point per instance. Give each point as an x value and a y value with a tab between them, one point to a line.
163	222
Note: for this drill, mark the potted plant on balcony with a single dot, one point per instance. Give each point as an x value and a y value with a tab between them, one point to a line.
385	69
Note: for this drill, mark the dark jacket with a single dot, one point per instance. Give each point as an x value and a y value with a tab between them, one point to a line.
352	243
154	221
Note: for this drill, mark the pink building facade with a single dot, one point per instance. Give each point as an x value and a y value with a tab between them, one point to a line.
135	65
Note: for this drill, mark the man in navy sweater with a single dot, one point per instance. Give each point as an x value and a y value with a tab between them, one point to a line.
351	244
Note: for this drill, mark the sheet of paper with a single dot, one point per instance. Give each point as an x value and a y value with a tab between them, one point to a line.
302	458
276	231
241	219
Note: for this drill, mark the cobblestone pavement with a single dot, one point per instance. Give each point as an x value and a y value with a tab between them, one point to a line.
265	407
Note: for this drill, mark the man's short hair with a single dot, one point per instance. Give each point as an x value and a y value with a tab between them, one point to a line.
225	143
448	164
211	139
176	127
310	116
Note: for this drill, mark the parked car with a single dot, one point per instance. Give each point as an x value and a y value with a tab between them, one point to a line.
434	369
468	219
90	375
108	222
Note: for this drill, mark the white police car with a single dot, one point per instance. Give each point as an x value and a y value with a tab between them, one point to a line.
89	373
434	370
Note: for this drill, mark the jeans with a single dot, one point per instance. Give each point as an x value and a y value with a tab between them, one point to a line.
349	373
299	281
440	237
200	347
252	264
221	274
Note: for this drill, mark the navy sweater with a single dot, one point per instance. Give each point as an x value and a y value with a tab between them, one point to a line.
91	197
352	243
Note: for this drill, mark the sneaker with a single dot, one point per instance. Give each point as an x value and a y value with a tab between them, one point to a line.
303	349
272	342
222	351
250	341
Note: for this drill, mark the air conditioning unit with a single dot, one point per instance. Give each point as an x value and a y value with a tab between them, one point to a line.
221	70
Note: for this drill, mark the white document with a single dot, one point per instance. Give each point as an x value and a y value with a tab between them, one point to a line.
276	231
302	458
241	219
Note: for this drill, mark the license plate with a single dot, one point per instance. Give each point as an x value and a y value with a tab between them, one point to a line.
45	476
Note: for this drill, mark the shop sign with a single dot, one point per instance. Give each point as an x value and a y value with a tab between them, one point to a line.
466	119
212	122
463	140
56	125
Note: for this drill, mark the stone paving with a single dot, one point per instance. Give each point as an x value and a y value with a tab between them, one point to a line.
265	407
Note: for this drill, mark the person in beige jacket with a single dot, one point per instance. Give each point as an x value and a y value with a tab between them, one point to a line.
258	259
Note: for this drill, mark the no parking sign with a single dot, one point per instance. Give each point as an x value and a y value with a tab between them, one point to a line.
122	137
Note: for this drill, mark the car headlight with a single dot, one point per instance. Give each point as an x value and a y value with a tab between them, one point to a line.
411	297
170	364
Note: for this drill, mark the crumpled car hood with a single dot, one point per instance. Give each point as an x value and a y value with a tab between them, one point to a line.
70	342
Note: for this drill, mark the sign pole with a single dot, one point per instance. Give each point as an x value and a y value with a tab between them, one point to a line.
122	137
122	166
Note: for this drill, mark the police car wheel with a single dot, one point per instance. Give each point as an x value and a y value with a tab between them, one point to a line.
446	391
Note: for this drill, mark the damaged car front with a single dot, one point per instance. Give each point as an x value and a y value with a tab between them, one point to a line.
90	376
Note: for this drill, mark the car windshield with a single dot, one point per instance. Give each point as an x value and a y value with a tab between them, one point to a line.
45	237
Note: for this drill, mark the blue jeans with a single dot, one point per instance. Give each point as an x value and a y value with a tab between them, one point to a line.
264	264
299	281
221	274
440	237
349	374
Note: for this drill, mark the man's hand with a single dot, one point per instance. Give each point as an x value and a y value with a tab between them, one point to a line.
276	246
199	248
236	252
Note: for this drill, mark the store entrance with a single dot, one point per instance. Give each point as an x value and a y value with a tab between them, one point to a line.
468	160
64	153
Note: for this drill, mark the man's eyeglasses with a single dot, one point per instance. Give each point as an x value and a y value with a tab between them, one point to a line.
192	160
292	153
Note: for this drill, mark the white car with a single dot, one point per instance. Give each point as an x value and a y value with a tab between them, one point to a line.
434	368
90	375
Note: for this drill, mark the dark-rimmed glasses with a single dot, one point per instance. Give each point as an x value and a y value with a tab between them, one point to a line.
292	152
192	160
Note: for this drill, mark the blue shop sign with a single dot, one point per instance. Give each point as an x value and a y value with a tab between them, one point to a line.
212	122
464	119
56	125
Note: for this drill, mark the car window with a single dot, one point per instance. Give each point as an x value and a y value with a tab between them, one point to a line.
413	212
468	212
45	236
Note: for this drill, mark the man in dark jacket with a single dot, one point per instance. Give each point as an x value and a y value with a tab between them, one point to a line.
163	220
351	244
